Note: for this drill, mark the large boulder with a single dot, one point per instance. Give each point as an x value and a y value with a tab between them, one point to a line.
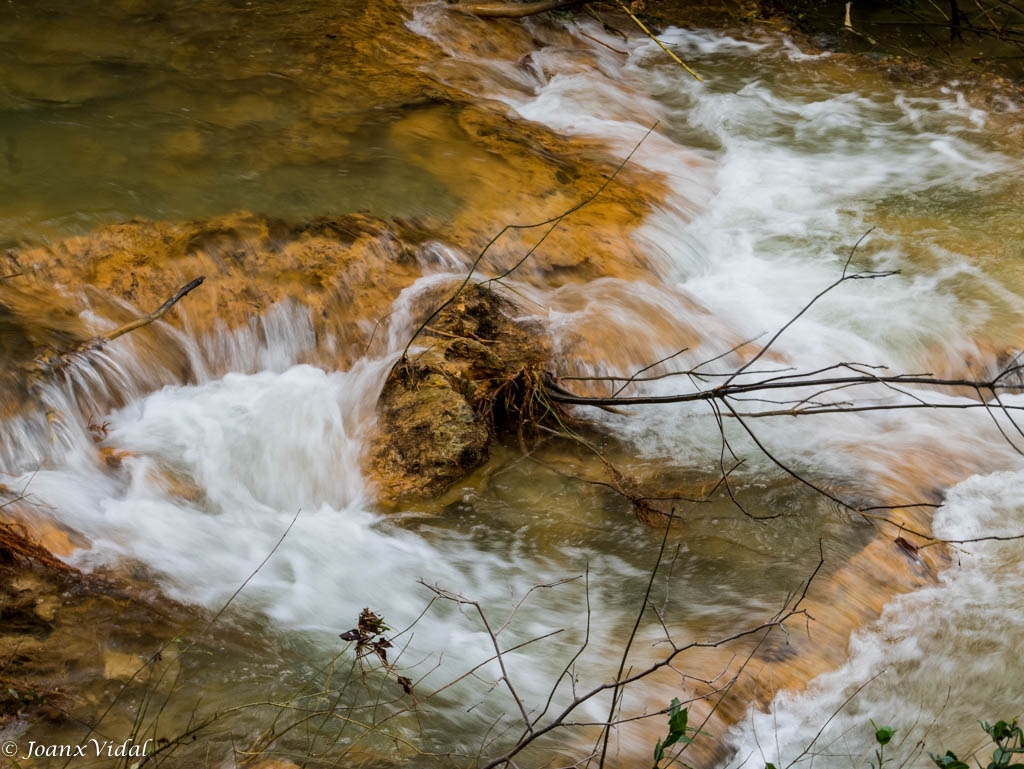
442	406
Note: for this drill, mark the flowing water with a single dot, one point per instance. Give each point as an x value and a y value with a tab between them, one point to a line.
758	183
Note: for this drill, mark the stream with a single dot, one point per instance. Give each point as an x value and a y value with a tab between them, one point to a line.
757	187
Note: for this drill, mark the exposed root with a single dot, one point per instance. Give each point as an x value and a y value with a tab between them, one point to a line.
480	378
520	406
18	549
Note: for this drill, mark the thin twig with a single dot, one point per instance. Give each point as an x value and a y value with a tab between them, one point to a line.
629	644
652	36
553	222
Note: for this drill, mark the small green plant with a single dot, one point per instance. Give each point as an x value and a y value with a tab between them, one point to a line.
1009	742
678	731
883	736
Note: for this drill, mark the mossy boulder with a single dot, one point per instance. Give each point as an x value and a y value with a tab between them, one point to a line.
441	407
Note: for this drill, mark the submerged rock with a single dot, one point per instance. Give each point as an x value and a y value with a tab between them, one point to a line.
60	627
80	651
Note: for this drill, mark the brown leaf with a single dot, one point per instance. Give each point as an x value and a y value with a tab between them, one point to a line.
909	548
370	624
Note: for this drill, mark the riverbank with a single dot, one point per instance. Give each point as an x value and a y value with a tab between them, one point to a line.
910	43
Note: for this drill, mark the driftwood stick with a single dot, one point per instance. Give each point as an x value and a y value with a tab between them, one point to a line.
54	363
655	38
57	361
145	320
509	10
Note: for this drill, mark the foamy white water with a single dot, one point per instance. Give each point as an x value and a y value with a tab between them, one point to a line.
214	474
776	179
938	661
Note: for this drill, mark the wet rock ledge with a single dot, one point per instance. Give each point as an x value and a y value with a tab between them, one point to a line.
65	636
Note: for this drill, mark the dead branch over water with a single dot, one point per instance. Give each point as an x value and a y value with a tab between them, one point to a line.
536	725
501	10
63	358
813	396
787	393
513	10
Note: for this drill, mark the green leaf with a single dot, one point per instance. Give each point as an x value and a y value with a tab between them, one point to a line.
770	766
675	737
883	735
948	761
998	731
659	753
677	722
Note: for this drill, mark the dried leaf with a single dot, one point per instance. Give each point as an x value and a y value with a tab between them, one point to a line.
909	548
370	624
